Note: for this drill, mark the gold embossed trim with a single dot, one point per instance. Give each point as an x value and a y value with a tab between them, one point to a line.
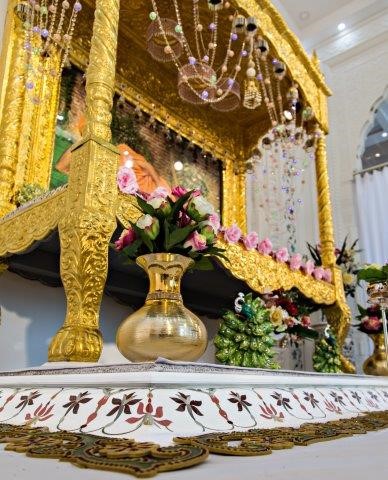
147	459
34	222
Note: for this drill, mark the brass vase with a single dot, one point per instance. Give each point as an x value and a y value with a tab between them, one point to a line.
376	364
163	327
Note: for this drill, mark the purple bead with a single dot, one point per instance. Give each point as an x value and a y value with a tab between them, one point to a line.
27	46
205	95
275	61
259	77
77	7
192	61
244	53
45	33
30	85
234	36
212	26
36	29
230	82
206	58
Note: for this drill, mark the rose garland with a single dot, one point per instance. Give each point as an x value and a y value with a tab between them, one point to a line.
197	209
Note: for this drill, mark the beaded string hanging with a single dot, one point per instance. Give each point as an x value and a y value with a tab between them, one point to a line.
49	29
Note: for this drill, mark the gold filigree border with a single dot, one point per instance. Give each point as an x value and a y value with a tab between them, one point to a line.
21	229
147	459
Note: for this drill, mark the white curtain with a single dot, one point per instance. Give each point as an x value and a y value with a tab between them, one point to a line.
372	203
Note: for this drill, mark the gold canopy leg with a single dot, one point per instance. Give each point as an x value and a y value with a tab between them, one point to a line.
89	220
11	120
339	314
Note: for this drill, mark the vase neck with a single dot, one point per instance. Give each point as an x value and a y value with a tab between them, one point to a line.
378	340
165	271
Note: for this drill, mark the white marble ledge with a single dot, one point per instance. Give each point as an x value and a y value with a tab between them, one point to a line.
166	373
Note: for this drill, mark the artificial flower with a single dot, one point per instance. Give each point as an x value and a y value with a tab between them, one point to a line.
159	192
199	208
277	315
309	267
290	322
126	181
371	323
214	221
178	191
183	219
127	237
348	278
318	273
208	232
282	255
327	276
232	234
150	225
251	240
265	246
161	204
296	261
305	321
196	241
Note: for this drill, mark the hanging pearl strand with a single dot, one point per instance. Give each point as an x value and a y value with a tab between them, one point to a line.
264	86
198	31
67	37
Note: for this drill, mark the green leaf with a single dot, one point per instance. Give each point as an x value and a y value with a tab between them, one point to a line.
144	237
203	264
131	250
178	236
145	207
178	205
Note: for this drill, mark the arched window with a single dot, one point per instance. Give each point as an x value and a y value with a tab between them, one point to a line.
375	147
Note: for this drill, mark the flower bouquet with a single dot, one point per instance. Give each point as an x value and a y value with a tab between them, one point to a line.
182	222
290	315
370	320
345	259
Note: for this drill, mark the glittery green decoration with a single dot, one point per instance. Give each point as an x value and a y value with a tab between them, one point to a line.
326	358
246	338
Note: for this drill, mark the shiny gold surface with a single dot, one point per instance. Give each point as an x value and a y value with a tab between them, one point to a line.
376	364
89	219
163	327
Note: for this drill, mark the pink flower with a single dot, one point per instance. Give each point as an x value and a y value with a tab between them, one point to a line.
160	192
251	240
214	221
282	255
196	241
296	261
183	219
196	193
126	181
232	234
371	323
265	246
127	237
318	273
290	322
306	321
328	276
178	191
309	267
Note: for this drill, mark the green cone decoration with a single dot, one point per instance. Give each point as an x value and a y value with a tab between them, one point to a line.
326	358
245	338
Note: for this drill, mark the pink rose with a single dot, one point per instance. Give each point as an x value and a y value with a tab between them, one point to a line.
214	221
178	191
196	193
282	255
251	240
126	181
232	234
372	323
328	276
306	321
127	237
296	261
159	192
265	246
196	241
290	322
309	267
318	273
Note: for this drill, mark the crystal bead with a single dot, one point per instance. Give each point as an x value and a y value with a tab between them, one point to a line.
153	16
77	7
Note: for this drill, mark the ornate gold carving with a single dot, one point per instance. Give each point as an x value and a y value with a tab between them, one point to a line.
263	274
11	121
100	78
85	230
142	460
234	195
31	223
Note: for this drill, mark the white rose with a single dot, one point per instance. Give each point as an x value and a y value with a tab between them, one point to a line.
144	222
202	206
156	202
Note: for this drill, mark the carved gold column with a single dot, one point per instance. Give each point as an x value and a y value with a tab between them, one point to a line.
89	220
339	314
234	195
11	120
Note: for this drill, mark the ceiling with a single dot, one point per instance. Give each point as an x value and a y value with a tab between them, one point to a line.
306	12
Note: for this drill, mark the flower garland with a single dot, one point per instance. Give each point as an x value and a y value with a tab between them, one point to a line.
199	210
